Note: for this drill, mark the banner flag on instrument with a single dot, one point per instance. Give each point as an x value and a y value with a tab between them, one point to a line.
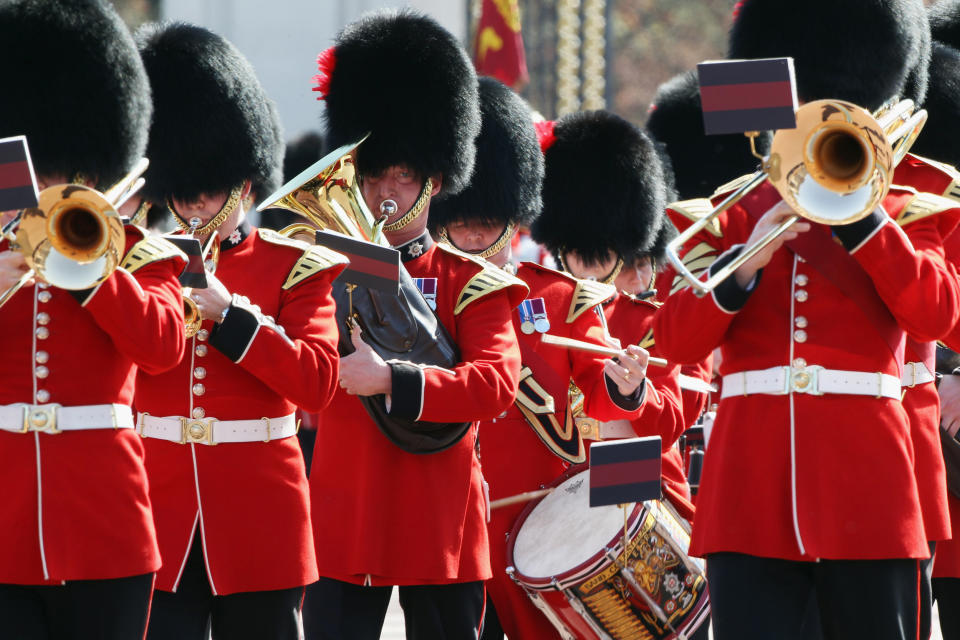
498	45
747	95
18	184
193	275
624	471
371	265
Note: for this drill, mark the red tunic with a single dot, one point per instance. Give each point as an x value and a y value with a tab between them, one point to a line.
388	517
800	476
250	499
75	505
514	457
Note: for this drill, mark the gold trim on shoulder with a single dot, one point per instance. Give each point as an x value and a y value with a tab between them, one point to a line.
697	260
491	279
587	295
695	210
314	260
271	236
647	342
733	185
923	205
151	249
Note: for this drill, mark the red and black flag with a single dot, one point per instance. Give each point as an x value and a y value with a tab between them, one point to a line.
624	471
371	265
498	45
747	95
193	275
18	184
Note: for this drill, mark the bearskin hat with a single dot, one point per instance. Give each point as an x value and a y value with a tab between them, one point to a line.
213	125
701	163
945	22
603	188
74	85
940	137
407	81
857	50
658	250
508	173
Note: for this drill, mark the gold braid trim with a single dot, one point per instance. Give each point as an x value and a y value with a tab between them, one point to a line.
606	280
140	217
228	207
492	250
415	210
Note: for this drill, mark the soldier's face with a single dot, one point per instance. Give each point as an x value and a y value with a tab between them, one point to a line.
635	277
398	183
579	268
474	236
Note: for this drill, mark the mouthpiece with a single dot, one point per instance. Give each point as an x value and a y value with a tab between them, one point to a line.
388	207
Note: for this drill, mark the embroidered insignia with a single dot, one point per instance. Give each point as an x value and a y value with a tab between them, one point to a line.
415	249
694	210
588	294
150	249
313	261
533	316
697	260
428	289
924	205
487	281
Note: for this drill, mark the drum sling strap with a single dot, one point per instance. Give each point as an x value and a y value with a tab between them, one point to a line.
818	248
543	403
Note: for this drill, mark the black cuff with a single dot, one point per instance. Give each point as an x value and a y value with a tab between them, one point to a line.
627	403
406	395
853	235
729	295
233	336
83	296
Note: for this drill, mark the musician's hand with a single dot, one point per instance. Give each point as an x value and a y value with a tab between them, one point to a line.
12	268
770	220
212	300
950	404
628	370
363	372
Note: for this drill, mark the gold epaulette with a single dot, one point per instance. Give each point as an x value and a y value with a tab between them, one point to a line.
151	249
647	342
695	210
953	189
923	205
733	185
491	279
697	260
271	236
587	295
313	261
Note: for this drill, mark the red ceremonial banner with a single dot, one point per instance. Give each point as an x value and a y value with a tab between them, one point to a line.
498	45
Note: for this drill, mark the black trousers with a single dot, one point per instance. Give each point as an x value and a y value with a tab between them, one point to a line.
335	610
946	591
193	612
754	597
114	609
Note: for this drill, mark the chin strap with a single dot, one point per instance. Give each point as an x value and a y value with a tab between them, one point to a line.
415	210
492	250
228	207
607	280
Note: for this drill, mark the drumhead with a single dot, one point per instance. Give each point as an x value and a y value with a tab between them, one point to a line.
562	531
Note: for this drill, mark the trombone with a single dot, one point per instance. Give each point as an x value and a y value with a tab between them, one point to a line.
73	239
834	168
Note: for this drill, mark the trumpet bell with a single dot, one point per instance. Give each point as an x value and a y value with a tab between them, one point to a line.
836	166
191	316
73	239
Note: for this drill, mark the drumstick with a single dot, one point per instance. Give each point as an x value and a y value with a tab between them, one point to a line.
520	497
580	345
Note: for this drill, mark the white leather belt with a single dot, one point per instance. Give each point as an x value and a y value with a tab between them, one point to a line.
812	379
915	373
591	429
212	431
53	418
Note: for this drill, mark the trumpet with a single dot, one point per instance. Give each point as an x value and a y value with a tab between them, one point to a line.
834	168
73	239
210	255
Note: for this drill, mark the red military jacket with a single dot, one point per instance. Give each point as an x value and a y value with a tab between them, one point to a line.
937	187
631	321
383	516
521	455
75	505
801	476
276	350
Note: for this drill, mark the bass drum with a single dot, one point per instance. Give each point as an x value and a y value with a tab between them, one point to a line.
570	560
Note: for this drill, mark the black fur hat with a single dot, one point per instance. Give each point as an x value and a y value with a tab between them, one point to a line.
508	174
74	85
213	125
405	79
863	51
945	22
940	137
701	163
603	188
658	250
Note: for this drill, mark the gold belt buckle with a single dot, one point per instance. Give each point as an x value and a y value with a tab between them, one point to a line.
198	431
40	417
589	428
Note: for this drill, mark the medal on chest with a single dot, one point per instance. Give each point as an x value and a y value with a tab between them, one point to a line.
428	289
533	316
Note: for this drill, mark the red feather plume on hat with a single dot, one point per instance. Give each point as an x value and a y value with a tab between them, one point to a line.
326	62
